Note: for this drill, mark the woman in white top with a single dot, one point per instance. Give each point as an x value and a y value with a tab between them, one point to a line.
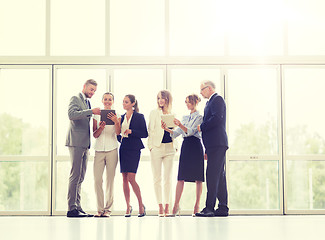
105	155
162	150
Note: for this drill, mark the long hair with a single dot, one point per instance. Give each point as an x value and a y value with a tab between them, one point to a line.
133	100
165	94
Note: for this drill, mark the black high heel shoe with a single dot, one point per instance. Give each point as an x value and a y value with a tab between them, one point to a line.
128	214
144	212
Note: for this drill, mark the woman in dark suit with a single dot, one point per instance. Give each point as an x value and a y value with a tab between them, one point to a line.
133	128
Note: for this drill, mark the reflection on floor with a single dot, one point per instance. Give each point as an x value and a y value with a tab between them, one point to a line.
152	227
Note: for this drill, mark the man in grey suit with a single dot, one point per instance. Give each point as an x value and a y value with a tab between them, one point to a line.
78	141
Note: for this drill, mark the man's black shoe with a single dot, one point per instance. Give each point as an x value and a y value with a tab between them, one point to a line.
88	215
205	213
221	213
75	213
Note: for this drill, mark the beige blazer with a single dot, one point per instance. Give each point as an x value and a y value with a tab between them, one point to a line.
156	133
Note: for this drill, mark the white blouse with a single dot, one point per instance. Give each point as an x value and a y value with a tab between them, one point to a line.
125	125
107	140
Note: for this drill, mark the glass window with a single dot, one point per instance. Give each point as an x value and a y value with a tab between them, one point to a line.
196	28
254	27
24	186
253	185
305	130
253	112
306	22
25	112
305	185
137	28
22	28
78	28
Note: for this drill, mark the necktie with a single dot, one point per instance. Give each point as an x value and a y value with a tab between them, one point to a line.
88	104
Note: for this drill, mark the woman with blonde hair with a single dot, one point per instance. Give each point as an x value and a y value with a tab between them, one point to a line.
191	160
162	150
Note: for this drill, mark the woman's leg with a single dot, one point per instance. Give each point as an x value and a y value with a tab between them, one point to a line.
156	163
198	196
111	163
126	190
99	165
136	190
178	195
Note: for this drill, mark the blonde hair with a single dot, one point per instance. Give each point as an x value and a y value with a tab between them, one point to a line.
165	94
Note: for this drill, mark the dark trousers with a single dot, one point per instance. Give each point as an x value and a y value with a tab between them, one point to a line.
216	178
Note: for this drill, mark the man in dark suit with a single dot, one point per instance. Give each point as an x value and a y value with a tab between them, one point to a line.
78	141
215	141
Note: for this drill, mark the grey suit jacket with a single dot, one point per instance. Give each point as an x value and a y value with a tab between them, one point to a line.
79	130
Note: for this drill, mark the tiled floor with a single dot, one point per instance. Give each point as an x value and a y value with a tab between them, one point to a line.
152	227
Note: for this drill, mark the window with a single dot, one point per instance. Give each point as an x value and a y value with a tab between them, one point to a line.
305	137
22	28
196	28
78	28
137	28
25	139
253	127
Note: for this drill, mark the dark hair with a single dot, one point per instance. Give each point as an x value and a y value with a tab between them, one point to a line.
91	81
108	93
133	100
165	94
194	99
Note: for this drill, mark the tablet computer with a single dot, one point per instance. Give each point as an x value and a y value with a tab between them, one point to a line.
169	120
103	116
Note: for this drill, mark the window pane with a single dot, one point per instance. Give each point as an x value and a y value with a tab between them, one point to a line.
143	83
254	27
254	185
196	28
306	22
69	83
78	28
22	28
305	129
137	28
24	112
24	186
252	104
187	81
305	181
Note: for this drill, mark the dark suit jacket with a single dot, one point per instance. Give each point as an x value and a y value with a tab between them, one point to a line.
139	130
213	126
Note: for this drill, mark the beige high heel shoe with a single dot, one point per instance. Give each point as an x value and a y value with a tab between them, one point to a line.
178	212
196	210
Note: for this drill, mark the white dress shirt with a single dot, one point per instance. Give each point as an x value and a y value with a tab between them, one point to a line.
107	140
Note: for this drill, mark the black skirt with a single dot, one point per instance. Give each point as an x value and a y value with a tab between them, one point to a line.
191	160
129	160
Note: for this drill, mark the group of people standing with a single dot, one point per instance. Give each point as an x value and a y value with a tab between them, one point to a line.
128	129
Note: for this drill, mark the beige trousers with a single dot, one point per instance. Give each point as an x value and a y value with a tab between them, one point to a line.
102	160
162	156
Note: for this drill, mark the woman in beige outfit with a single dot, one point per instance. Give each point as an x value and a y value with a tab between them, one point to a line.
162	150
105	157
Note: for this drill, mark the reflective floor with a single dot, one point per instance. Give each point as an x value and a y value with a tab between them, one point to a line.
152	227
